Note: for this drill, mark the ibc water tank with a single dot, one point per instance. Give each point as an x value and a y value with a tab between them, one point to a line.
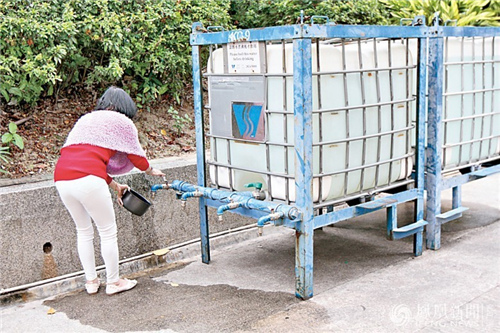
363	97
471	106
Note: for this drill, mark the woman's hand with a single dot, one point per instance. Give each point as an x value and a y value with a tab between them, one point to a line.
154	172
120	190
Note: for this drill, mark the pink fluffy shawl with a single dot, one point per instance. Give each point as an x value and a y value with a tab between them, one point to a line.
112	130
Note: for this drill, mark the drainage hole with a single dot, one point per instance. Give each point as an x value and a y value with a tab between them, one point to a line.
47	248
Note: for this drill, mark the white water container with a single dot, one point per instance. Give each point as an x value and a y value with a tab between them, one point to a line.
336	93
469	69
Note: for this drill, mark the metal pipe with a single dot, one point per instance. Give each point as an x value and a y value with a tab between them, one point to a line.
244	193
190	190
356	138
347	71
157	187
229	206
187	195
268	218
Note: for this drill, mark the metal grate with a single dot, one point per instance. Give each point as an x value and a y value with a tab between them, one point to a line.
471	101
363	119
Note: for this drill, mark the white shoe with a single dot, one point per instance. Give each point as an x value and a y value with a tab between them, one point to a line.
92	287
114	289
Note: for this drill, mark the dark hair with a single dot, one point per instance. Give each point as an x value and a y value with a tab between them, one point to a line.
116	99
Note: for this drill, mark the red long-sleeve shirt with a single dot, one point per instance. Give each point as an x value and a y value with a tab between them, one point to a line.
82	160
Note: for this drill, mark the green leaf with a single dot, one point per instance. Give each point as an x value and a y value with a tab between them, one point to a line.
163	89
4	152
5	94
18	141
16	91
12	127
23	84
6	138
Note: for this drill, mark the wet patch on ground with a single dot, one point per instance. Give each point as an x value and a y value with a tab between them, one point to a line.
154	306
302	317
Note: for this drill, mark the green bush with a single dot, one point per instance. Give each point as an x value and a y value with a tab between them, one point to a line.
52	45
465	12
49	46
264	13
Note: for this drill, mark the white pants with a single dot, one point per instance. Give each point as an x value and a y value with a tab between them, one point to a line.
88	199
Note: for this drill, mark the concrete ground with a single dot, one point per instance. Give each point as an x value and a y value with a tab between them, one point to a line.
362	283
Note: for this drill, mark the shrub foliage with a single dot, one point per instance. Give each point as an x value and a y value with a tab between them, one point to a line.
264	13
51	45
463	12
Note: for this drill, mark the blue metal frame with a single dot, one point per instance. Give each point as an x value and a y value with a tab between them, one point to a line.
427	171
200	153
436	182
301	216
302	94
307	222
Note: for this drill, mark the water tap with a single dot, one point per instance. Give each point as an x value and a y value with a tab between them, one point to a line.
257	193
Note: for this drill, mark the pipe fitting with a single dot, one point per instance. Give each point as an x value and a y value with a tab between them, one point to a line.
244	200
194	194
229	206
293	213
187	195
268	218
157	187
257	194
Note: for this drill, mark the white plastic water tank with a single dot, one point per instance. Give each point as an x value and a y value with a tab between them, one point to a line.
470	82
338	91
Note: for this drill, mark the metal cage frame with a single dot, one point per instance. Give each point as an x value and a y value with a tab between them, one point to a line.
428	172
305	221
438	177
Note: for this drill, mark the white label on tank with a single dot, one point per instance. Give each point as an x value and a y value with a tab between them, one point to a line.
243	57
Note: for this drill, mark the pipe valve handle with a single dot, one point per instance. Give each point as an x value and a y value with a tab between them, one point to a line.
258	186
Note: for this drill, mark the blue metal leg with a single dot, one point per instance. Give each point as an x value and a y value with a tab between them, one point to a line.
420	152
200	153
204	232
457	197
303	167
416	229
433	229
418	239
392	220
420	155
434	142
304	262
